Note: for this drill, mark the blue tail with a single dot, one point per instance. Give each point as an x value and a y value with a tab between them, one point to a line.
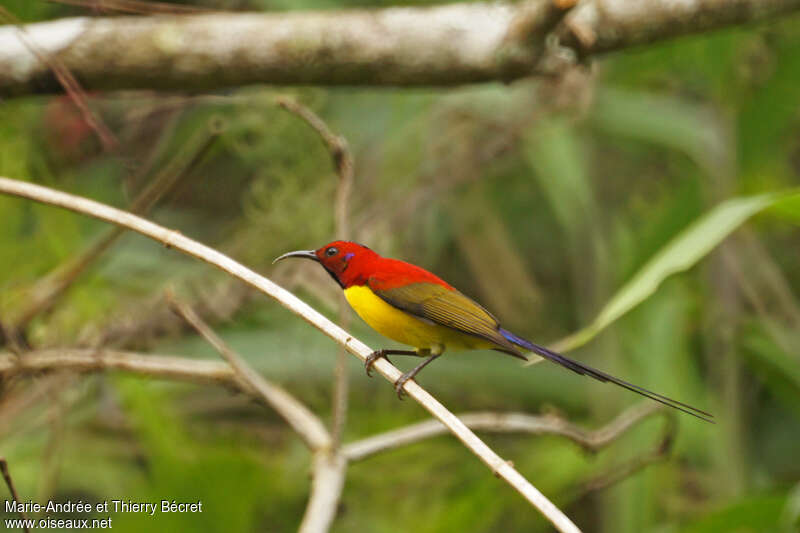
599	375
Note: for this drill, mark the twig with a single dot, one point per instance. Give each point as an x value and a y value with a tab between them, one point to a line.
136	7
591	441
13	491
51	287
67	81
173	239
343	164
619	472
297	415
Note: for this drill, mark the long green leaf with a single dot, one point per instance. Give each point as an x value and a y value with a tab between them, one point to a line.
682	252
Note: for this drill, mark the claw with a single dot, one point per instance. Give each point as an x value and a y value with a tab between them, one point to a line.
370	360
398	386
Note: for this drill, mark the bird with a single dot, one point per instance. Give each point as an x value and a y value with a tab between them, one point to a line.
413	306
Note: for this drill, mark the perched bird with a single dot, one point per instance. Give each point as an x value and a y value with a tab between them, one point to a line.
415	307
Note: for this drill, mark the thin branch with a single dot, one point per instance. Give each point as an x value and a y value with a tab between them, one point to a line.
12	490
51	287
297	415
136	7
65	79
619	472
326	489
591	441
343	164
410	46
87	360
174	239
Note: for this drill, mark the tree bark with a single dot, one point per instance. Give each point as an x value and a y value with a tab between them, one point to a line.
416	46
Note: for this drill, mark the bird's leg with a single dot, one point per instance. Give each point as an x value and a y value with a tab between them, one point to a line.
398	385
374	356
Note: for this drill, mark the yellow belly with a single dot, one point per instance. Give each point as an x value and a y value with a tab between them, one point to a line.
406	328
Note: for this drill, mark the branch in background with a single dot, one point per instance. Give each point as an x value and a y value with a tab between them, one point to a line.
411	46
65	79
297	415
602	26
136	7
174	239
50	288
12	490
330	465
591	441
86	360
619	472
343	163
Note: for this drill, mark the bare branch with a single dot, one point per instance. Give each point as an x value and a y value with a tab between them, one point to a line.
174	239
136	6
604	25
590	441
11	489
297	415
86	360
411	46
343	163
619	472
326	489
65	79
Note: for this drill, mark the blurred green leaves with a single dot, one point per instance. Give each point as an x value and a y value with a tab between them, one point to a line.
680	254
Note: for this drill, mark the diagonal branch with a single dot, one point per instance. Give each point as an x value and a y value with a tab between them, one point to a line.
10	483
137	7
297	415
174	239
65	79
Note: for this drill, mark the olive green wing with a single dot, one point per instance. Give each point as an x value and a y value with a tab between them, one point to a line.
446	307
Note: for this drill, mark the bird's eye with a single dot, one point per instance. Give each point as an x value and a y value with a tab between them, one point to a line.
330	252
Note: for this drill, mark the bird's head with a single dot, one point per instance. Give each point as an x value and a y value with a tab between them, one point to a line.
344	260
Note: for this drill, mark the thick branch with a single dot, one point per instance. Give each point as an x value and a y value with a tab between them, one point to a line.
605	25
443	45
174	239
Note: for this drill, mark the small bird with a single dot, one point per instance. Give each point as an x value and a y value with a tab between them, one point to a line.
415	307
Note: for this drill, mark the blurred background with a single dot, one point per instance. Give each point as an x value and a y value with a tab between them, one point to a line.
541	199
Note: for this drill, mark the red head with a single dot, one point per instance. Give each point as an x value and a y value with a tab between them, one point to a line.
347	262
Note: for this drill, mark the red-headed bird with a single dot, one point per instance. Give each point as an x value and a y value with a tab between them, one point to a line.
415	307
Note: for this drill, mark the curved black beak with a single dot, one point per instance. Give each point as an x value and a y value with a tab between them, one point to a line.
306	254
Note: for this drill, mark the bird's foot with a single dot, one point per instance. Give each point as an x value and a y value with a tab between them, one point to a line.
371	358
401	381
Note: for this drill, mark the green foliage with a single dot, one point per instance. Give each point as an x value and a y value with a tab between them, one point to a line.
679	254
